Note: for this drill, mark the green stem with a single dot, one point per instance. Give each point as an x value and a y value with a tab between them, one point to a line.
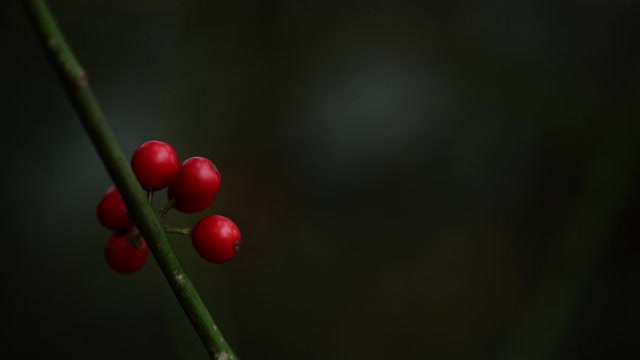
75	82
175	230
165	209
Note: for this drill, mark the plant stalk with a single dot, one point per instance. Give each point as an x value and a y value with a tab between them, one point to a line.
179	231
76	84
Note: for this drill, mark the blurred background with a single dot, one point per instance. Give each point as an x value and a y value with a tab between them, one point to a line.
444	180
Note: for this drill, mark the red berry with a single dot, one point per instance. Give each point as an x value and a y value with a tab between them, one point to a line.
187	207
155	164
123	255
195	185
112	211
216	238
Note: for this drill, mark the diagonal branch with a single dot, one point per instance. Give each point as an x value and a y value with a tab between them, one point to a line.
76	84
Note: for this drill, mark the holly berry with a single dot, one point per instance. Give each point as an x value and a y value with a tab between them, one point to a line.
187	207
112	211
155	164
126	253
195	185
216	238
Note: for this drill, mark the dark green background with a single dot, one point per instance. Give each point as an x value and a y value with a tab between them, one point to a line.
451	180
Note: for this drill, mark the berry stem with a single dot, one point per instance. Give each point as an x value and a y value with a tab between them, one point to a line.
165	209
76	85
175	230
150	196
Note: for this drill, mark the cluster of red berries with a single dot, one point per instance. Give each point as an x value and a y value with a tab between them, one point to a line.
193	186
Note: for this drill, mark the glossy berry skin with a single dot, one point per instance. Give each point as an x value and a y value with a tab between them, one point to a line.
112	211
122	255
195	185
155	164
216	238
